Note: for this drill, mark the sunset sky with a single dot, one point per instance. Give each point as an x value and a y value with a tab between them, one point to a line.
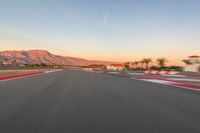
114	30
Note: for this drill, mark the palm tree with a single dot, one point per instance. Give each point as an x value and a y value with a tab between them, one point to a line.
5	59
136	64
194	59
14	63
161	62
142	64
147	61
127	65
1	63
187	61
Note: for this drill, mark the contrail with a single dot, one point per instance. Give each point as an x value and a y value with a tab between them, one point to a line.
105	19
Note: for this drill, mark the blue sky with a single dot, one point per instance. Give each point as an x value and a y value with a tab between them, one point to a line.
119	30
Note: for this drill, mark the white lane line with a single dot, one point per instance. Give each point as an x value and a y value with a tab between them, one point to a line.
99	72
157	81
194	80
173	75
169	83
50	71
136	74
113	72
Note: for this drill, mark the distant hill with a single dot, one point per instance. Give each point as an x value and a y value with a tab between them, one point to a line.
43	56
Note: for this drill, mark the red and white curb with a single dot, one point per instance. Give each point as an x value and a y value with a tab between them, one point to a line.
171	82
16	76
2	78
161	72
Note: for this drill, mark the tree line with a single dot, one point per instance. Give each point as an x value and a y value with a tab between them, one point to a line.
145	62
13	63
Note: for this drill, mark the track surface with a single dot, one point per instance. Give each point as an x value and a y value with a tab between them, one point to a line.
73	101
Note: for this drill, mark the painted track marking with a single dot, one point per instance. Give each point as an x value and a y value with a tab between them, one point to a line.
17	76
171	83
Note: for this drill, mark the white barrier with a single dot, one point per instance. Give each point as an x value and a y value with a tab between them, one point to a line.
90	69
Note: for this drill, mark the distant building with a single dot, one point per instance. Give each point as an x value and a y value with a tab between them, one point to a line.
7	63
192	68
194	64
97	66
115	67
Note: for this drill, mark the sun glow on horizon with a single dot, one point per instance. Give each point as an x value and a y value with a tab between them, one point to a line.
98	30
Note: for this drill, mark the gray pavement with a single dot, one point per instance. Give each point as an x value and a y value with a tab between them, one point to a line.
73	101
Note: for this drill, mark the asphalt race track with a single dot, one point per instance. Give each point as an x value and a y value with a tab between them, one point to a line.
74	101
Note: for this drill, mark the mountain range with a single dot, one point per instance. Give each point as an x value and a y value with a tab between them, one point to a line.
43	56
